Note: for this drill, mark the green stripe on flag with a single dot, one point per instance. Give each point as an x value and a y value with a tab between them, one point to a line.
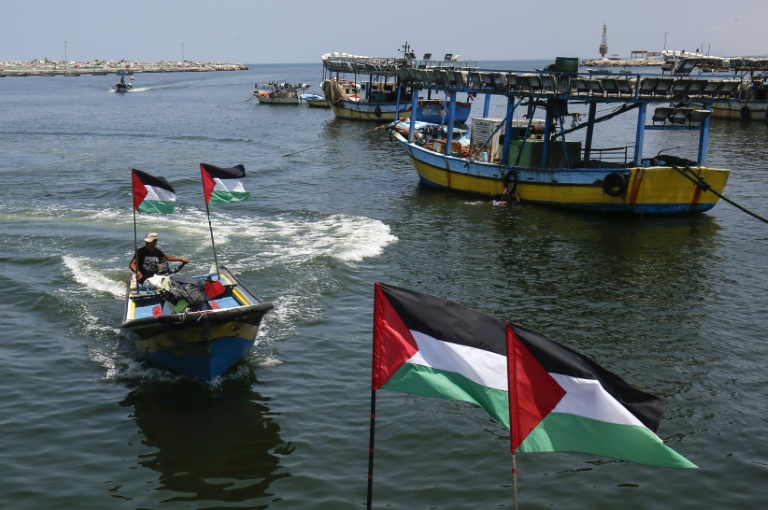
428	382
221	197
158	206
561	432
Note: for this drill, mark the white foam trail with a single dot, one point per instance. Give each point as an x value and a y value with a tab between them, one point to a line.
92	279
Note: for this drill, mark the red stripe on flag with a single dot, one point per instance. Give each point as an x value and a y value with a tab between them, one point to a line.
393	343
139	190
208	184
533	393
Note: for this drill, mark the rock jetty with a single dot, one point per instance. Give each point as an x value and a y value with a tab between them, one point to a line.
628	62
47	67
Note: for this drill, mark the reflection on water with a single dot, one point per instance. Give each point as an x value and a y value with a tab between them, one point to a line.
221	447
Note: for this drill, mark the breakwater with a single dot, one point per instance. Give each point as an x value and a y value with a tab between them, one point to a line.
46	67
628	62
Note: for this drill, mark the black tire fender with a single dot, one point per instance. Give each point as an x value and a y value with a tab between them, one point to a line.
615	184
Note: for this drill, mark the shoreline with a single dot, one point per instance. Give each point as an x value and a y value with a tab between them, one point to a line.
101	67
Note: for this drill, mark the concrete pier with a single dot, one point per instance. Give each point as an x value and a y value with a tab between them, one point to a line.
46	67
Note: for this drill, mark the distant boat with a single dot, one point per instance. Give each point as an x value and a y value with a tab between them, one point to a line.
384	97
276	92
434	111
350	89
123	86
315	100
747	101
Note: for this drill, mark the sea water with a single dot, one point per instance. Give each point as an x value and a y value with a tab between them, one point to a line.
675	306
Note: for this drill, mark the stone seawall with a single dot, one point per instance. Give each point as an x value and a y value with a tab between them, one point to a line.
98	67
629	62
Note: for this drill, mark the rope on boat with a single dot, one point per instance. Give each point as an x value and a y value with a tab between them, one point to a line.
704	185
340	139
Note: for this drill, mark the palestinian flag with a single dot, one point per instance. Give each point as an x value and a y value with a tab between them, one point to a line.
436	348
152	194
222	185
563	401
558	400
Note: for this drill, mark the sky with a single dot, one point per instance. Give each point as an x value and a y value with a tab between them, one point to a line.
300	31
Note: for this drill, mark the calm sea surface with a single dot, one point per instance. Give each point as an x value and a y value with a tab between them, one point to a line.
676	306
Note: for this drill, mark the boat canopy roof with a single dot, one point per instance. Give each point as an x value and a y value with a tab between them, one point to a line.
629	88
347	63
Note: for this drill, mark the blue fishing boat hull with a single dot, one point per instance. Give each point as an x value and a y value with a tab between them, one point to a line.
201	344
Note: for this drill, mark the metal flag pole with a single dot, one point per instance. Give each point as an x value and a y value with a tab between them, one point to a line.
514	478
135	251
370	450
213	244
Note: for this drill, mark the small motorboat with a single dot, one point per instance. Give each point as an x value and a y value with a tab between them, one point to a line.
123	86
196	326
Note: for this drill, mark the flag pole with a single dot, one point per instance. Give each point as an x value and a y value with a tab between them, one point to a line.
513	418
514	478
370	450
135	251
213	244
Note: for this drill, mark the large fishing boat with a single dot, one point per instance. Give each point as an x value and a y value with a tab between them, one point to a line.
535	160
383	98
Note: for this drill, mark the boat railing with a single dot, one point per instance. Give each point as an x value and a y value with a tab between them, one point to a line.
608	156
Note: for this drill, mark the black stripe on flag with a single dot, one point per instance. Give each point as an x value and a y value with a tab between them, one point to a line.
559	359
235	172
446	320
151	180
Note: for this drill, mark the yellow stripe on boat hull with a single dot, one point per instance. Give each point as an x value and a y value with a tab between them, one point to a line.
647	188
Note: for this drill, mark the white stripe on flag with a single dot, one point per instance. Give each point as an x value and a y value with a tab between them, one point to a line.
587	398
158	194
482	367
233	185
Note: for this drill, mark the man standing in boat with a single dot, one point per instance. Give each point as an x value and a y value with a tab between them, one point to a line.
150	257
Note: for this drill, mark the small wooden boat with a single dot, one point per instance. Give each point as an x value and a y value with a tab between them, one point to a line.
199	327
337	89
123	86
315	100
282	93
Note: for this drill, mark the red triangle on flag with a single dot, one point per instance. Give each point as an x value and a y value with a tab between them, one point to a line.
393	343
139	190
533	393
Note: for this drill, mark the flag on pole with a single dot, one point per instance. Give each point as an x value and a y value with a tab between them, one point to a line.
222	185
562	401
152	194
436	348
550	397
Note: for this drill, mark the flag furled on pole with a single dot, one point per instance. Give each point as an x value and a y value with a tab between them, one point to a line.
152	194
550	397
222	185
